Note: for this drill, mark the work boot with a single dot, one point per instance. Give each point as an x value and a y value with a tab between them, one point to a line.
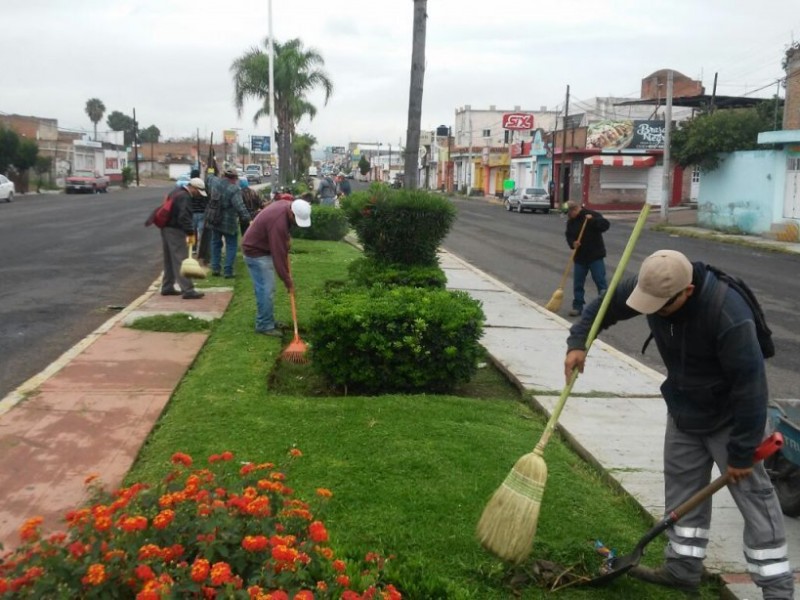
660	576
575	312
192	295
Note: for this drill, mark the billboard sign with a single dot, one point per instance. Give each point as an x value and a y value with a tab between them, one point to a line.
259	143
611	135
229	136
517	121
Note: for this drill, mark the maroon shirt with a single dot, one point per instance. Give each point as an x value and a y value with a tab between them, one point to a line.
268	234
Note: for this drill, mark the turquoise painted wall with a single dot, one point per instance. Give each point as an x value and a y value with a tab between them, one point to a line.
743	193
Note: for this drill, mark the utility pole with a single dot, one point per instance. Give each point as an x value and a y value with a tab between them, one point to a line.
468	177
136	146
560	183
665	189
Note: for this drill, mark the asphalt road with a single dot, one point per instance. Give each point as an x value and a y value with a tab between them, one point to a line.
66	260
528	252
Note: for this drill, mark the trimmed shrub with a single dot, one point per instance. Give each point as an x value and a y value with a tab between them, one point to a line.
382	340
368	272
327	223
400	226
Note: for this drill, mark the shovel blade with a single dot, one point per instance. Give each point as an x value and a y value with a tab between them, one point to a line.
622	565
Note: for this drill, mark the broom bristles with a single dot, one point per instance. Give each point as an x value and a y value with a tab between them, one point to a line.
191	268
555	301
508	524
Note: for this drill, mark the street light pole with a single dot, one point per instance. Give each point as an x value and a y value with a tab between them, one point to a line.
272	144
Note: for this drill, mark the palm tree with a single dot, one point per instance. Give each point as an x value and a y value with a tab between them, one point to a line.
415	93
95	109
296	72
301	152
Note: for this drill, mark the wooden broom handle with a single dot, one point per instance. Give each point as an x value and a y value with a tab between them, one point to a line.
572	256
598	320
294	312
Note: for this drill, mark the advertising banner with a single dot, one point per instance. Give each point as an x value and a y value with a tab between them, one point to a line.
610	135
229	136
259	143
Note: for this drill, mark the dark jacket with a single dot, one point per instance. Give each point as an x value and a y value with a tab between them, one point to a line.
181	215
592	246
233	208
715	370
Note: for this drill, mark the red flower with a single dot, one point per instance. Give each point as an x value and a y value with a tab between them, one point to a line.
179	458
295	452
221	573
339	566
343	580
227	455
30	529
144	572
163	519
255	543
304	595
95	575
317	532
200	570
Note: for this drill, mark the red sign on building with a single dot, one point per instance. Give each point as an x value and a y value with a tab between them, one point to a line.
517	121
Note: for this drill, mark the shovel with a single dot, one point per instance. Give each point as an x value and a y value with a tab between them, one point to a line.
191	268
623	564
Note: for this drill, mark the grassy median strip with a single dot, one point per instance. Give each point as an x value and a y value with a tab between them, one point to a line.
410	473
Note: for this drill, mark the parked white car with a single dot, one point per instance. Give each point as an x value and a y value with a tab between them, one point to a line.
6	189
531	199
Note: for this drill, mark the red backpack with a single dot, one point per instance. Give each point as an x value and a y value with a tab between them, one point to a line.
160	216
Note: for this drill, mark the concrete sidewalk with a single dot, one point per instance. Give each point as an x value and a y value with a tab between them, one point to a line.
91	410
616	398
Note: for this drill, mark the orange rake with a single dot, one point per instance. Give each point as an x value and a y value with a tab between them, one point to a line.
296	350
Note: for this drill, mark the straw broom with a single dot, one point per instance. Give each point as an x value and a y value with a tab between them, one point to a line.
190	267
507	526
555	300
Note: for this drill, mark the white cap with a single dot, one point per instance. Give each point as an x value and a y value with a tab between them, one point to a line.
198	184
302	213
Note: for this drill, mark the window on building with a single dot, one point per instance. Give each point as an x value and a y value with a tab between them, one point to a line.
696	175
623	178
577	171
487	133
793	163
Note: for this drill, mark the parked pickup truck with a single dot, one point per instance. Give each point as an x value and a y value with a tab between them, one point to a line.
86	181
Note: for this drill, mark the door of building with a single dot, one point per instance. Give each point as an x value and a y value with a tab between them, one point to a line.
791	194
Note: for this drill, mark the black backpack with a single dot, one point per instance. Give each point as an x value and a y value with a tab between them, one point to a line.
763	332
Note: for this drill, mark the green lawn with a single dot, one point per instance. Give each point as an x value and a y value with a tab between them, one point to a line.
410	474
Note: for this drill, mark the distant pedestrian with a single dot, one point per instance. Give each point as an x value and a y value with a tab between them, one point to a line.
344	185
265	246
716	395
327	191
199	204
226	191
175	239
590	254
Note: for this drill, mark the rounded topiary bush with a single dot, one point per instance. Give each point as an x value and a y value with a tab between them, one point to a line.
379	339
400	226
368	272
327	223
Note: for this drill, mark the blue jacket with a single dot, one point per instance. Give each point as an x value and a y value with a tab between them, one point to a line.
715	370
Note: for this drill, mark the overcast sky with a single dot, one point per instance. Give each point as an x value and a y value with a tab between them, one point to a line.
170	59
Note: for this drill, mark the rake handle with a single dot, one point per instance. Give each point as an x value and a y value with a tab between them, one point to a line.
572	255
598	320
294	313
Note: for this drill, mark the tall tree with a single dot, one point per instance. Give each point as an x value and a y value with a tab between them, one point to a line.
151	134
296	72
301	149
701	140
415	94
9	143
95	109
118	121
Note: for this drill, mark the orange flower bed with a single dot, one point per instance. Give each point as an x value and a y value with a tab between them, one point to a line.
220	531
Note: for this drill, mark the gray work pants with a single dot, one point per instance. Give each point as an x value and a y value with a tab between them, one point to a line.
173	242
688	460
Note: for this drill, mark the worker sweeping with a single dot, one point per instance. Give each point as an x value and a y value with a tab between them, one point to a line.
265	246
590	251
